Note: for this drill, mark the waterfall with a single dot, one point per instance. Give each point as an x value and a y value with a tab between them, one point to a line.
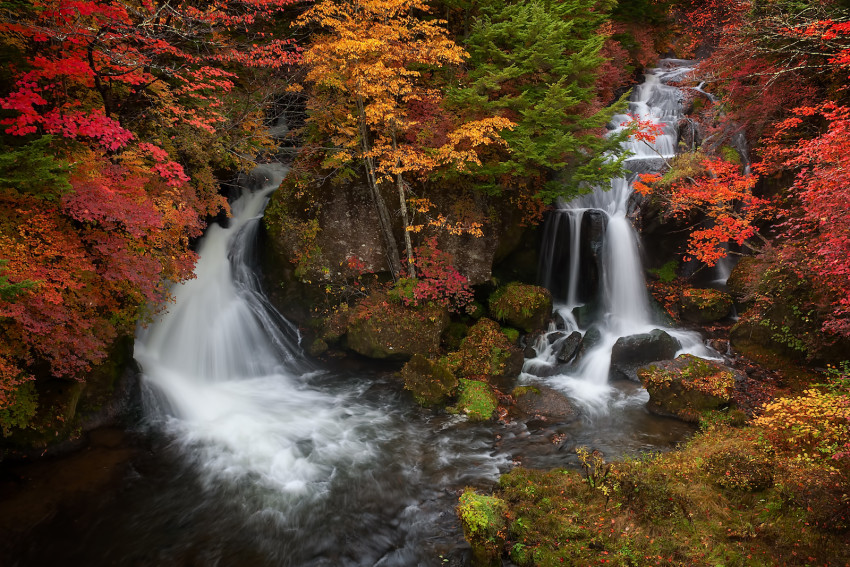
593	267
222	371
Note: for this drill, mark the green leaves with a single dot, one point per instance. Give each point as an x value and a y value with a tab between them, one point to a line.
33	170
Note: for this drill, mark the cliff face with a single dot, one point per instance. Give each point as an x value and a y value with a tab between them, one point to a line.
330	234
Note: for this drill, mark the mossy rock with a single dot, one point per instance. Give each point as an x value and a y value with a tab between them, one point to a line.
487	352
704	305
688	386
484	526
317	348
743	279
476	399
524	306
740	464
431	383
381	329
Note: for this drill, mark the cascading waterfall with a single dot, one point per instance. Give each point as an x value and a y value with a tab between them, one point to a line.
282	462
600	277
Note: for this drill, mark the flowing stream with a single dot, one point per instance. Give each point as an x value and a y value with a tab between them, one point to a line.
249	455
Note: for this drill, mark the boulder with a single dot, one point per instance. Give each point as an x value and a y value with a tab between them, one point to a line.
688	386
524	306
381	329
704	305
487	353
567	347
635	350
542	402
645	347
476	399
430	383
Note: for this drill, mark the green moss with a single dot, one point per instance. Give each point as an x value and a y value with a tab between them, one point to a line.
667	272
524	306
476	399
688	386
483	526
523	390
704	305
431	383
730	154
511	334
723	499
485	351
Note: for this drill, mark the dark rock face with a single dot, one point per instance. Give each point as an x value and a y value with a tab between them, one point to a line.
645	347
594	223
688	386
635	350
567	348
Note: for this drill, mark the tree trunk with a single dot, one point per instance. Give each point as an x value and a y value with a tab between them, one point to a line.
402	203
393	258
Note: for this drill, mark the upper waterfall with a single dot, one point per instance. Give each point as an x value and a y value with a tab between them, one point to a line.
591	259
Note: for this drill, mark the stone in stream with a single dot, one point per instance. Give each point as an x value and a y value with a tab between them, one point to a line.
567	347
541	402
523	306
635	350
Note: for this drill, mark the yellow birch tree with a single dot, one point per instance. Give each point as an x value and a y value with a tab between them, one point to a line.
367	59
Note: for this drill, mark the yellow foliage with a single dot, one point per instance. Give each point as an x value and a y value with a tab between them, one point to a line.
816	424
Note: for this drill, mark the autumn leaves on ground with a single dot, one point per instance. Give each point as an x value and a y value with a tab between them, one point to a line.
121	119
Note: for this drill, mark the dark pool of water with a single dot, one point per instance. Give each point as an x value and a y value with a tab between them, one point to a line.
141	498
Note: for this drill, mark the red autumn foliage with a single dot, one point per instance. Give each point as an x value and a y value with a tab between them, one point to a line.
117	91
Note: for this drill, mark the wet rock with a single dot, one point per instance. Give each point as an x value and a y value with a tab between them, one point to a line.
430	382
568	347
317	348
526	307
688	386
704	305
635	350
591	338
593	226
560	322
645	347
586	314
555	337
536	402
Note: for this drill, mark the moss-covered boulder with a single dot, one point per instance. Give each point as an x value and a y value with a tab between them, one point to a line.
430	382
532	402
484	526
704	305
688	386
526	307
476	399
382	329
486	352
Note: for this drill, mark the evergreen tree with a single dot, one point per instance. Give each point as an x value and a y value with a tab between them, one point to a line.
536	63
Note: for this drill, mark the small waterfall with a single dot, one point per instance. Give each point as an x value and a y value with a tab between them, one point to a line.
593	266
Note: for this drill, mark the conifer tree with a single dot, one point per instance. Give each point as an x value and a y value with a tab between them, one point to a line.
536	63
